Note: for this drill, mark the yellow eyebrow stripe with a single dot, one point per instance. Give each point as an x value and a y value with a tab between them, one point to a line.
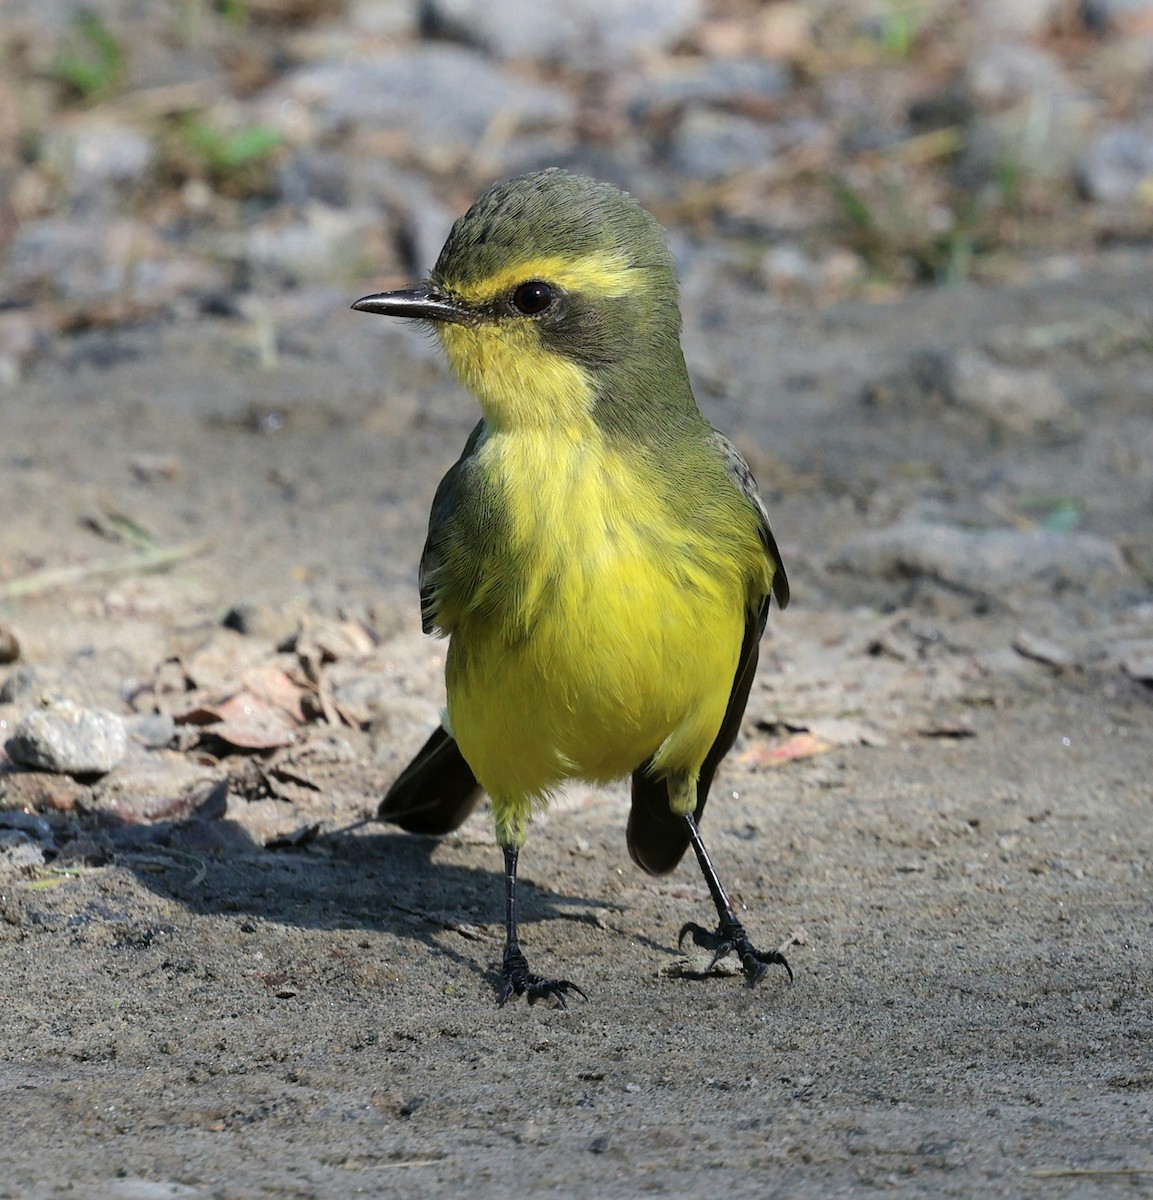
601	274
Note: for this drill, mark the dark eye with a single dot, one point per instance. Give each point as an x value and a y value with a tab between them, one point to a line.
532	298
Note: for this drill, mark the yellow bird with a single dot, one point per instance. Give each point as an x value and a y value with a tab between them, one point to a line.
599	556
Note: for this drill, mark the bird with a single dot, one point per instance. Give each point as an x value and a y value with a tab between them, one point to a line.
599	556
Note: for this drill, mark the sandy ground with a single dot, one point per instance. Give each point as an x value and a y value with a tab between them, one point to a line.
955	834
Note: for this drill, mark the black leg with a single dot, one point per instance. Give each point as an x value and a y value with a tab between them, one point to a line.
730	934
516	978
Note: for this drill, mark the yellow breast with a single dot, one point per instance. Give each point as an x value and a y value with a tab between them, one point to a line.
621	637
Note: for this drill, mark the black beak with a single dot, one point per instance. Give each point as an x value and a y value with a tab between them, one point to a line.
420	302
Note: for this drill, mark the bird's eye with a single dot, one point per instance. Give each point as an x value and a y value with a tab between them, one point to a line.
532	298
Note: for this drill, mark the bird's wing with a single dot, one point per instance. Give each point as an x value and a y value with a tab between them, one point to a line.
437	790
658	837
742	476
443	504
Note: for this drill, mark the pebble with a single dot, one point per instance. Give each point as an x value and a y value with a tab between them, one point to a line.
1118	16
1007	72
321	242
69	739
100	160
983	561
1136	658
724	81
709	144
1016	400
581	33
1117	166
23	339
1021	18
159	786
97	258
1026	112
153	731
9	645
435	95
19	852
1043	650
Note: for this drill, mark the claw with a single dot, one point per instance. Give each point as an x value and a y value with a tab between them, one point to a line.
519	981
730	937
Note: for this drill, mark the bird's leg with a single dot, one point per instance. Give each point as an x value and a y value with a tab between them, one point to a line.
730	934
516	979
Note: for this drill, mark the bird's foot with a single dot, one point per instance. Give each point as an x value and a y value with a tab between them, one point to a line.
518	980
730	938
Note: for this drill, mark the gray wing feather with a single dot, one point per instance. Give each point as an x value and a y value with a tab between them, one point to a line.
443	505
741	474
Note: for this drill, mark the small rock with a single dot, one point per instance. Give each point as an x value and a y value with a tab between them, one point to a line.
575	32
723	81
433	94
18	851
984	561
68	739
98	159
787	269
1020	18
9	645
420	219
1013	400
319	243
96	259
161	786
709	144
153	731
361	696
1028	114
1040	649
1118	16
40	791
24	337
1007	72
1136	658
1117	166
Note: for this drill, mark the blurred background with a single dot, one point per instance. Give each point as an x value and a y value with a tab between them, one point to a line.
166	157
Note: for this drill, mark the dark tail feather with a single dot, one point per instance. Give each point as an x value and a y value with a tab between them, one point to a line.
657	836
435	792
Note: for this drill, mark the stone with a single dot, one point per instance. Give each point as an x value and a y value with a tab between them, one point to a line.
710	145
1117	166
9	645
19	852
1019	18
1017	400
160	786
580	33
100	160
439	94
1006	72
723	81
91	259
1027	113
1118	16
318	243
983	560
69	739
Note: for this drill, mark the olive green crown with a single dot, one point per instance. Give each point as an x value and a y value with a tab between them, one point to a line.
552	213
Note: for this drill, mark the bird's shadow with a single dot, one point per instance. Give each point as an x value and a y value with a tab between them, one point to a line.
367	876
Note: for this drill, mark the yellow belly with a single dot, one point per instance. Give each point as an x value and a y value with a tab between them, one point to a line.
622	641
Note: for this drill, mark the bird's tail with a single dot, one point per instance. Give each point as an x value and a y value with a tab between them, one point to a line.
435	792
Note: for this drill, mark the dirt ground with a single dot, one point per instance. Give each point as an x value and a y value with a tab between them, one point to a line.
942	796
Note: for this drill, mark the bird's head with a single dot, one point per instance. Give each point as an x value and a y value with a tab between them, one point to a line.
556	301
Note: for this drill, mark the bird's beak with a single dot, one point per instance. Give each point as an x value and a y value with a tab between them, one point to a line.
420	302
